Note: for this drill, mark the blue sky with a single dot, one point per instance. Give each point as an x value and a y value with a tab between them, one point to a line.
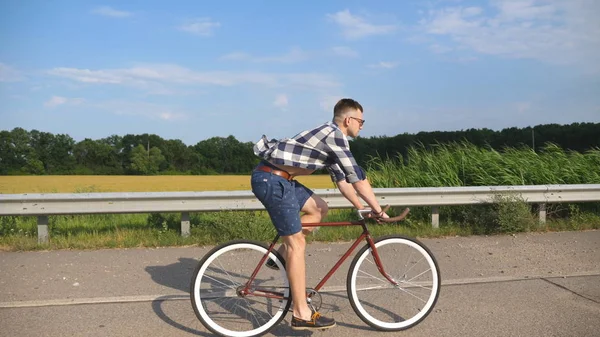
192	70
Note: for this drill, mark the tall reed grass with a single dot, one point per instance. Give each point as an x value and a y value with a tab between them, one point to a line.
464	164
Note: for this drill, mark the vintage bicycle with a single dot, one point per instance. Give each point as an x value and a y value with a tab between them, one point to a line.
393	283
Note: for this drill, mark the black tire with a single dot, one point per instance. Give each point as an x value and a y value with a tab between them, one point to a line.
404	312
227	280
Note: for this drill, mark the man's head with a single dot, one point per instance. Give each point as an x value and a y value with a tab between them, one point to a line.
348	115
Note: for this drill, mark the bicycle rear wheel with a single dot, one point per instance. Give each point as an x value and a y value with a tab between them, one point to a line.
222	274
386	306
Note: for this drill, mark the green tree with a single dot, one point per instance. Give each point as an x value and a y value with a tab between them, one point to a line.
61	159
146	162
96	157
157	160
227	155
8	159
21	158
180	157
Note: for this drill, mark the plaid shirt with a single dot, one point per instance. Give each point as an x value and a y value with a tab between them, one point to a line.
322	147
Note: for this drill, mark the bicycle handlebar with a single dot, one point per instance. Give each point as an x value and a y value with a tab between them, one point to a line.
380	219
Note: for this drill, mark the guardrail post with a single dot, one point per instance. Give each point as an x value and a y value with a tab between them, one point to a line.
185	224
42	230
435	217
542	214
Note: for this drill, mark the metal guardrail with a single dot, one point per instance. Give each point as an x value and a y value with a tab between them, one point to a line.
43	205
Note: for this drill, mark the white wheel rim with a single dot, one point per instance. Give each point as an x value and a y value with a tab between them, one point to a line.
427	305
216	326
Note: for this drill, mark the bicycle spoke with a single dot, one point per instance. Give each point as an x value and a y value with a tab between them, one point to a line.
408	259
419	275
373	277
371	288
214	279
411	294
228	276
254	311
414	264
225	293
416	285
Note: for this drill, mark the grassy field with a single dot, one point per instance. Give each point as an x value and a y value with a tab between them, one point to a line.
444	165
74	184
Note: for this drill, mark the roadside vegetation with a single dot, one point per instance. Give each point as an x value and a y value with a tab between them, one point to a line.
456	164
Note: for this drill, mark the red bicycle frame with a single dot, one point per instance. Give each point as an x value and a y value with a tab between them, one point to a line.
365	235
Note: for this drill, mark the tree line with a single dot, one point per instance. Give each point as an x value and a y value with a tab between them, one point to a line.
35	152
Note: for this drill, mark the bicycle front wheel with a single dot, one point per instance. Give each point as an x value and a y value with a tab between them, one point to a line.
387	306
216	290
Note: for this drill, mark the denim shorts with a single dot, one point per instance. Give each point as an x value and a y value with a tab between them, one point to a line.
283	200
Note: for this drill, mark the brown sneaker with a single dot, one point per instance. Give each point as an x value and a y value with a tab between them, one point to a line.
316	322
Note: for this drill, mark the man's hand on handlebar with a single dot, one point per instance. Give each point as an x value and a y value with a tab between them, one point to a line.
382	216
378	216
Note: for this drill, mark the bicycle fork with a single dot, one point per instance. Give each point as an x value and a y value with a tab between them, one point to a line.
378	262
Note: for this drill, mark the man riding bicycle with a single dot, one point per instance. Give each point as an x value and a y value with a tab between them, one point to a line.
325	146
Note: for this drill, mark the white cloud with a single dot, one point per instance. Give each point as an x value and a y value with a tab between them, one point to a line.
328	102
439	49
355	27
293	56
344	51
523	106
384	65
466	59
472	11
111	12
142	109
281	101
552	31
88	76
201	26
236	56
59	100
153	76
9	74
169	116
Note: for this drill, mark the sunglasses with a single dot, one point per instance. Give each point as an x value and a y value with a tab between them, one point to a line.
360	121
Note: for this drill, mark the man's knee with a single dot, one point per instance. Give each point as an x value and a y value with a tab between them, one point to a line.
321	209
324	209
295	243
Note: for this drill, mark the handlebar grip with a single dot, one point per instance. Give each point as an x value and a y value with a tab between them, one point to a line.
396	218
384	209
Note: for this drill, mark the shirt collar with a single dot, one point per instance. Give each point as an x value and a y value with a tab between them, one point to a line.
333	124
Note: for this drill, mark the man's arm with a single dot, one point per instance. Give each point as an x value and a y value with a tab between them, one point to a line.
355	180
365	191
349	193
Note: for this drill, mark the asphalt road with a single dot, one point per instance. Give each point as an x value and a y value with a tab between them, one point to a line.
512	285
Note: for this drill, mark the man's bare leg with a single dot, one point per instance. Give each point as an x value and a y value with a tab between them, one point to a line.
315	209
295	246
293	249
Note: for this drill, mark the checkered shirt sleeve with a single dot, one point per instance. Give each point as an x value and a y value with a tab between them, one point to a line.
322	147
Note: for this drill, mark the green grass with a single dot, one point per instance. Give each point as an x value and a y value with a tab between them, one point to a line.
162	230
464	164
443	165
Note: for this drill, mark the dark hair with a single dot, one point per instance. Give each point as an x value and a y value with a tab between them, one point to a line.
344	104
